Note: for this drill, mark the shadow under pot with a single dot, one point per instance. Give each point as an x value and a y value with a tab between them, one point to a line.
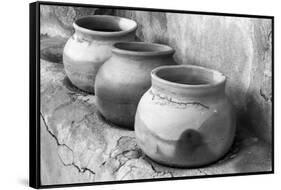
185	119
90	46
125	77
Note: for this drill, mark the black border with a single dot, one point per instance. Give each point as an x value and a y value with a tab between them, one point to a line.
34	95
34	92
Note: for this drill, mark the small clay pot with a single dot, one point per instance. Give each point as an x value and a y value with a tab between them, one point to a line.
185	118
90	46
124	78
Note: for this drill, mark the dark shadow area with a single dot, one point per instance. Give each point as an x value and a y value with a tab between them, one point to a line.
254	157
247	154
233	151
51	49
254	154
256	118
191	145
71	87
103	119
154	163
190	148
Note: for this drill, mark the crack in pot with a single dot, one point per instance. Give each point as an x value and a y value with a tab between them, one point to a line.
170	100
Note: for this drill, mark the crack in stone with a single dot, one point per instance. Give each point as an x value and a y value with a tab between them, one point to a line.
269	35
80	170
177	102
203	172
264	96
131	169
85	118
123	157
119	167
64	104
76	95
122	163
161	173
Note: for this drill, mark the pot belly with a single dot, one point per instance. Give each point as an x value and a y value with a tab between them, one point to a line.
81	73
82	60
122	114
118	95
188	135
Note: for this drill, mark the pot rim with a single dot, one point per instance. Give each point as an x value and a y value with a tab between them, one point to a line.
133	25
220	77
145	49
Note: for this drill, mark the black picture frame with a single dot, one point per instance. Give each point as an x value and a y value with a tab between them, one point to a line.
34	91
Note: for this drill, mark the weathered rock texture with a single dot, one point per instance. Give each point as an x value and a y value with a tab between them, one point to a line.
238	47
58	20
78	145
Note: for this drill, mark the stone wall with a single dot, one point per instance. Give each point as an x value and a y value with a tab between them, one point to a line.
238	47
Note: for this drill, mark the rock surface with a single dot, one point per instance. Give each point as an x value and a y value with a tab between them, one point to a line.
58	20
78	145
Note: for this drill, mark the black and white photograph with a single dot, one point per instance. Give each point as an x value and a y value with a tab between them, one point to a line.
126	94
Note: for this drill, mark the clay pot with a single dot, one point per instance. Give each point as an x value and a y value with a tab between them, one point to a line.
125	77
90	46
185	118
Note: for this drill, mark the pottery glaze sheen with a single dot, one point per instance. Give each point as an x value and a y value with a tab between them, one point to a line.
125	77
185	118
90	46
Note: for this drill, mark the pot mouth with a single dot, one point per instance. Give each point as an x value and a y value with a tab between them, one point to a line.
105	25
188	76
141	48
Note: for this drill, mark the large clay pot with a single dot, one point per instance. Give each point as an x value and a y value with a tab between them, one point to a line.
125	77
90	46
185	118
